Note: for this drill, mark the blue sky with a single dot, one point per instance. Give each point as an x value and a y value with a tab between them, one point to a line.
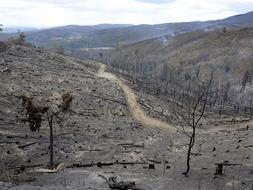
48	13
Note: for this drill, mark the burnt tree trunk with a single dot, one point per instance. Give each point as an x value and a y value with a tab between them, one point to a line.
51	138
191	144
219	169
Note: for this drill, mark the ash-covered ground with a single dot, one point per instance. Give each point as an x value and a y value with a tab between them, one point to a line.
101	138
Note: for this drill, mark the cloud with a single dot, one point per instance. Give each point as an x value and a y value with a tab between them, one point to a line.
47	13
156	1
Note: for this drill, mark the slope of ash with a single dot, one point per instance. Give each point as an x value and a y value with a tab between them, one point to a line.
100	139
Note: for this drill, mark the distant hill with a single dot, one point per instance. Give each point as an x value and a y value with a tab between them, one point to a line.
18	29
71	36
111	35
238	20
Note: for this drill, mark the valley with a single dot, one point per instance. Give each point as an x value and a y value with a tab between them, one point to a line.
109	127
128	107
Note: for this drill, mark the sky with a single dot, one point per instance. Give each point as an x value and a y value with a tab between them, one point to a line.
49	13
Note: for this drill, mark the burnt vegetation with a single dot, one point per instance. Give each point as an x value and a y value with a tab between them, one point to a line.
33	113
36	114
179	69
176	67
196	78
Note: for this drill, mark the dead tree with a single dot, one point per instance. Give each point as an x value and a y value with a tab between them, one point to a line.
245	80
36	114
192	118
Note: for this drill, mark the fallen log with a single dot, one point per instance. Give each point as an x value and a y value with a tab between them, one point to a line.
15	55
57	169
155	161
130	163
90	150
248	146
100	164
130	145
142	103
5	70
121	185
26	145
80	165
24	167
228	164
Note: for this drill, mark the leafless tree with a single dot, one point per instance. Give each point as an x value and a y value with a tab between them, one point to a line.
192	118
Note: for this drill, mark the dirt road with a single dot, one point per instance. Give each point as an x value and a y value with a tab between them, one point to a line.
134	107
140	115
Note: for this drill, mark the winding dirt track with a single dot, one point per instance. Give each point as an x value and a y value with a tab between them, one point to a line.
134	107
140	115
